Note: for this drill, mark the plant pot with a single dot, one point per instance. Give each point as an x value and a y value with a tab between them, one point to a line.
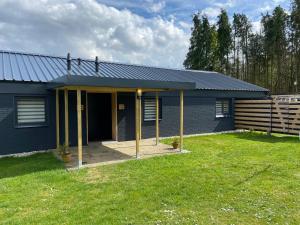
175	145
66	157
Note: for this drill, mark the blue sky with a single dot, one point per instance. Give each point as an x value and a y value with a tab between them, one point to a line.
183	10
149	32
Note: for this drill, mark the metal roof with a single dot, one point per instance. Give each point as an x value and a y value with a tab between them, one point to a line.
16	66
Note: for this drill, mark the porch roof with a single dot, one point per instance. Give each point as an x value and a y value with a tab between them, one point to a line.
93	81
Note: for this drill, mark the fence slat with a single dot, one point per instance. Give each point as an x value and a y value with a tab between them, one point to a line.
268	115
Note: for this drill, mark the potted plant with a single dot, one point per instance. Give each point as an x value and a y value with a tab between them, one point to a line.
175	143
65	153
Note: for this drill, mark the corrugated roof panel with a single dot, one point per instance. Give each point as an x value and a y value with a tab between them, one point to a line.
7	68
23	68
50	72
42	68
38	65
17	73
33	69
104	71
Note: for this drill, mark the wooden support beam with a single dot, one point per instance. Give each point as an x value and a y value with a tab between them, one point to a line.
157	119
140	116
137	125
66	117
79	128
181	120
87	117
57	120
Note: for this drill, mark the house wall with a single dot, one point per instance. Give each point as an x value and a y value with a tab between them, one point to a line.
199	116
199	113
15	139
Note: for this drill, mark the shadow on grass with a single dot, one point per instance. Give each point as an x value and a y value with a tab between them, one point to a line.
264	137
18	166
254	175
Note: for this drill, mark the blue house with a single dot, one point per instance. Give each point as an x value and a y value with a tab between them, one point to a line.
46	101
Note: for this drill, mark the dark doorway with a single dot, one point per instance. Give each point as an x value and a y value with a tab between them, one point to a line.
100	117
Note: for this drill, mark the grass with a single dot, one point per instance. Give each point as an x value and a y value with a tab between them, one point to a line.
246	178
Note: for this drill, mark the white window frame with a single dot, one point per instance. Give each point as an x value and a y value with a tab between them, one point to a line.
32	110
225	107
151	109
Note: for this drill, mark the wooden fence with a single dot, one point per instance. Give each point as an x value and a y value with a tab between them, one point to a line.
273	115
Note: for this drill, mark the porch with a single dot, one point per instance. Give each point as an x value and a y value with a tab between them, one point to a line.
104	117
109	152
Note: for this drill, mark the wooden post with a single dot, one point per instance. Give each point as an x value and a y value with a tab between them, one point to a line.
181	120
66	117
140	116
157	119
57	119
79	128
87	117
137	122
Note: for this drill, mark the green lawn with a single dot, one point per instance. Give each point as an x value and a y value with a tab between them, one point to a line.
245	178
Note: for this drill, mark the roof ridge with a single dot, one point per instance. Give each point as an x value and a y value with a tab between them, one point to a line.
104	61
32	54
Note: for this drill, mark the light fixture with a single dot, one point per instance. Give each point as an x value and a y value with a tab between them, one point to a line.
139	92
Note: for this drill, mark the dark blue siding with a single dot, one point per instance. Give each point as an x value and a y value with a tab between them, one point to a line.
126	117
199	116
15	140
199	113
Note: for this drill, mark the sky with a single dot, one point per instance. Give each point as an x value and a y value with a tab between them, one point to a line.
148	32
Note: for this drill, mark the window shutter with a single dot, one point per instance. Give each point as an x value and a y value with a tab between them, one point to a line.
31	110
222	108
219	108
149	109
226	107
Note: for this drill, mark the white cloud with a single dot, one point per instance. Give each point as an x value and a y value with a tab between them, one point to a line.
256	26
225	5
211	12
156	7
87	28
266	8
185	25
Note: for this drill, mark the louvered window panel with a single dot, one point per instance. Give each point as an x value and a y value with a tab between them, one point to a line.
223	108
31	110
150	109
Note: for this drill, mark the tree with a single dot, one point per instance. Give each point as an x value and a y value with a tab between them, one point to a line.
295	42
192	59
205	45
275	43
224	40
270	58
215	64
200	55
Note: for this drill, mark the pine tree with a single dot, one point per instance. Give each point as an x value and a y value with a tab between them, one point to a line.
224	39
270	58
295	42
192	57
205	45
215	63
200	54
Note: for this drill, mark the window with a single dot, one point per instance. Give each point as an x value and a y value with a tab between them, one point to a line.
31	111
223	108
150	109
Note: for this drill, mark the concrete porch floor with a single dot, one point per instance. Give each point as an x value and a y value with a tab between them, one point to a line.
101	153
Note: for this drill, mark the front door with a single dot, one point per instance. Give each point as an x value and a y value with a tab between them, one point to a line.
99	116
